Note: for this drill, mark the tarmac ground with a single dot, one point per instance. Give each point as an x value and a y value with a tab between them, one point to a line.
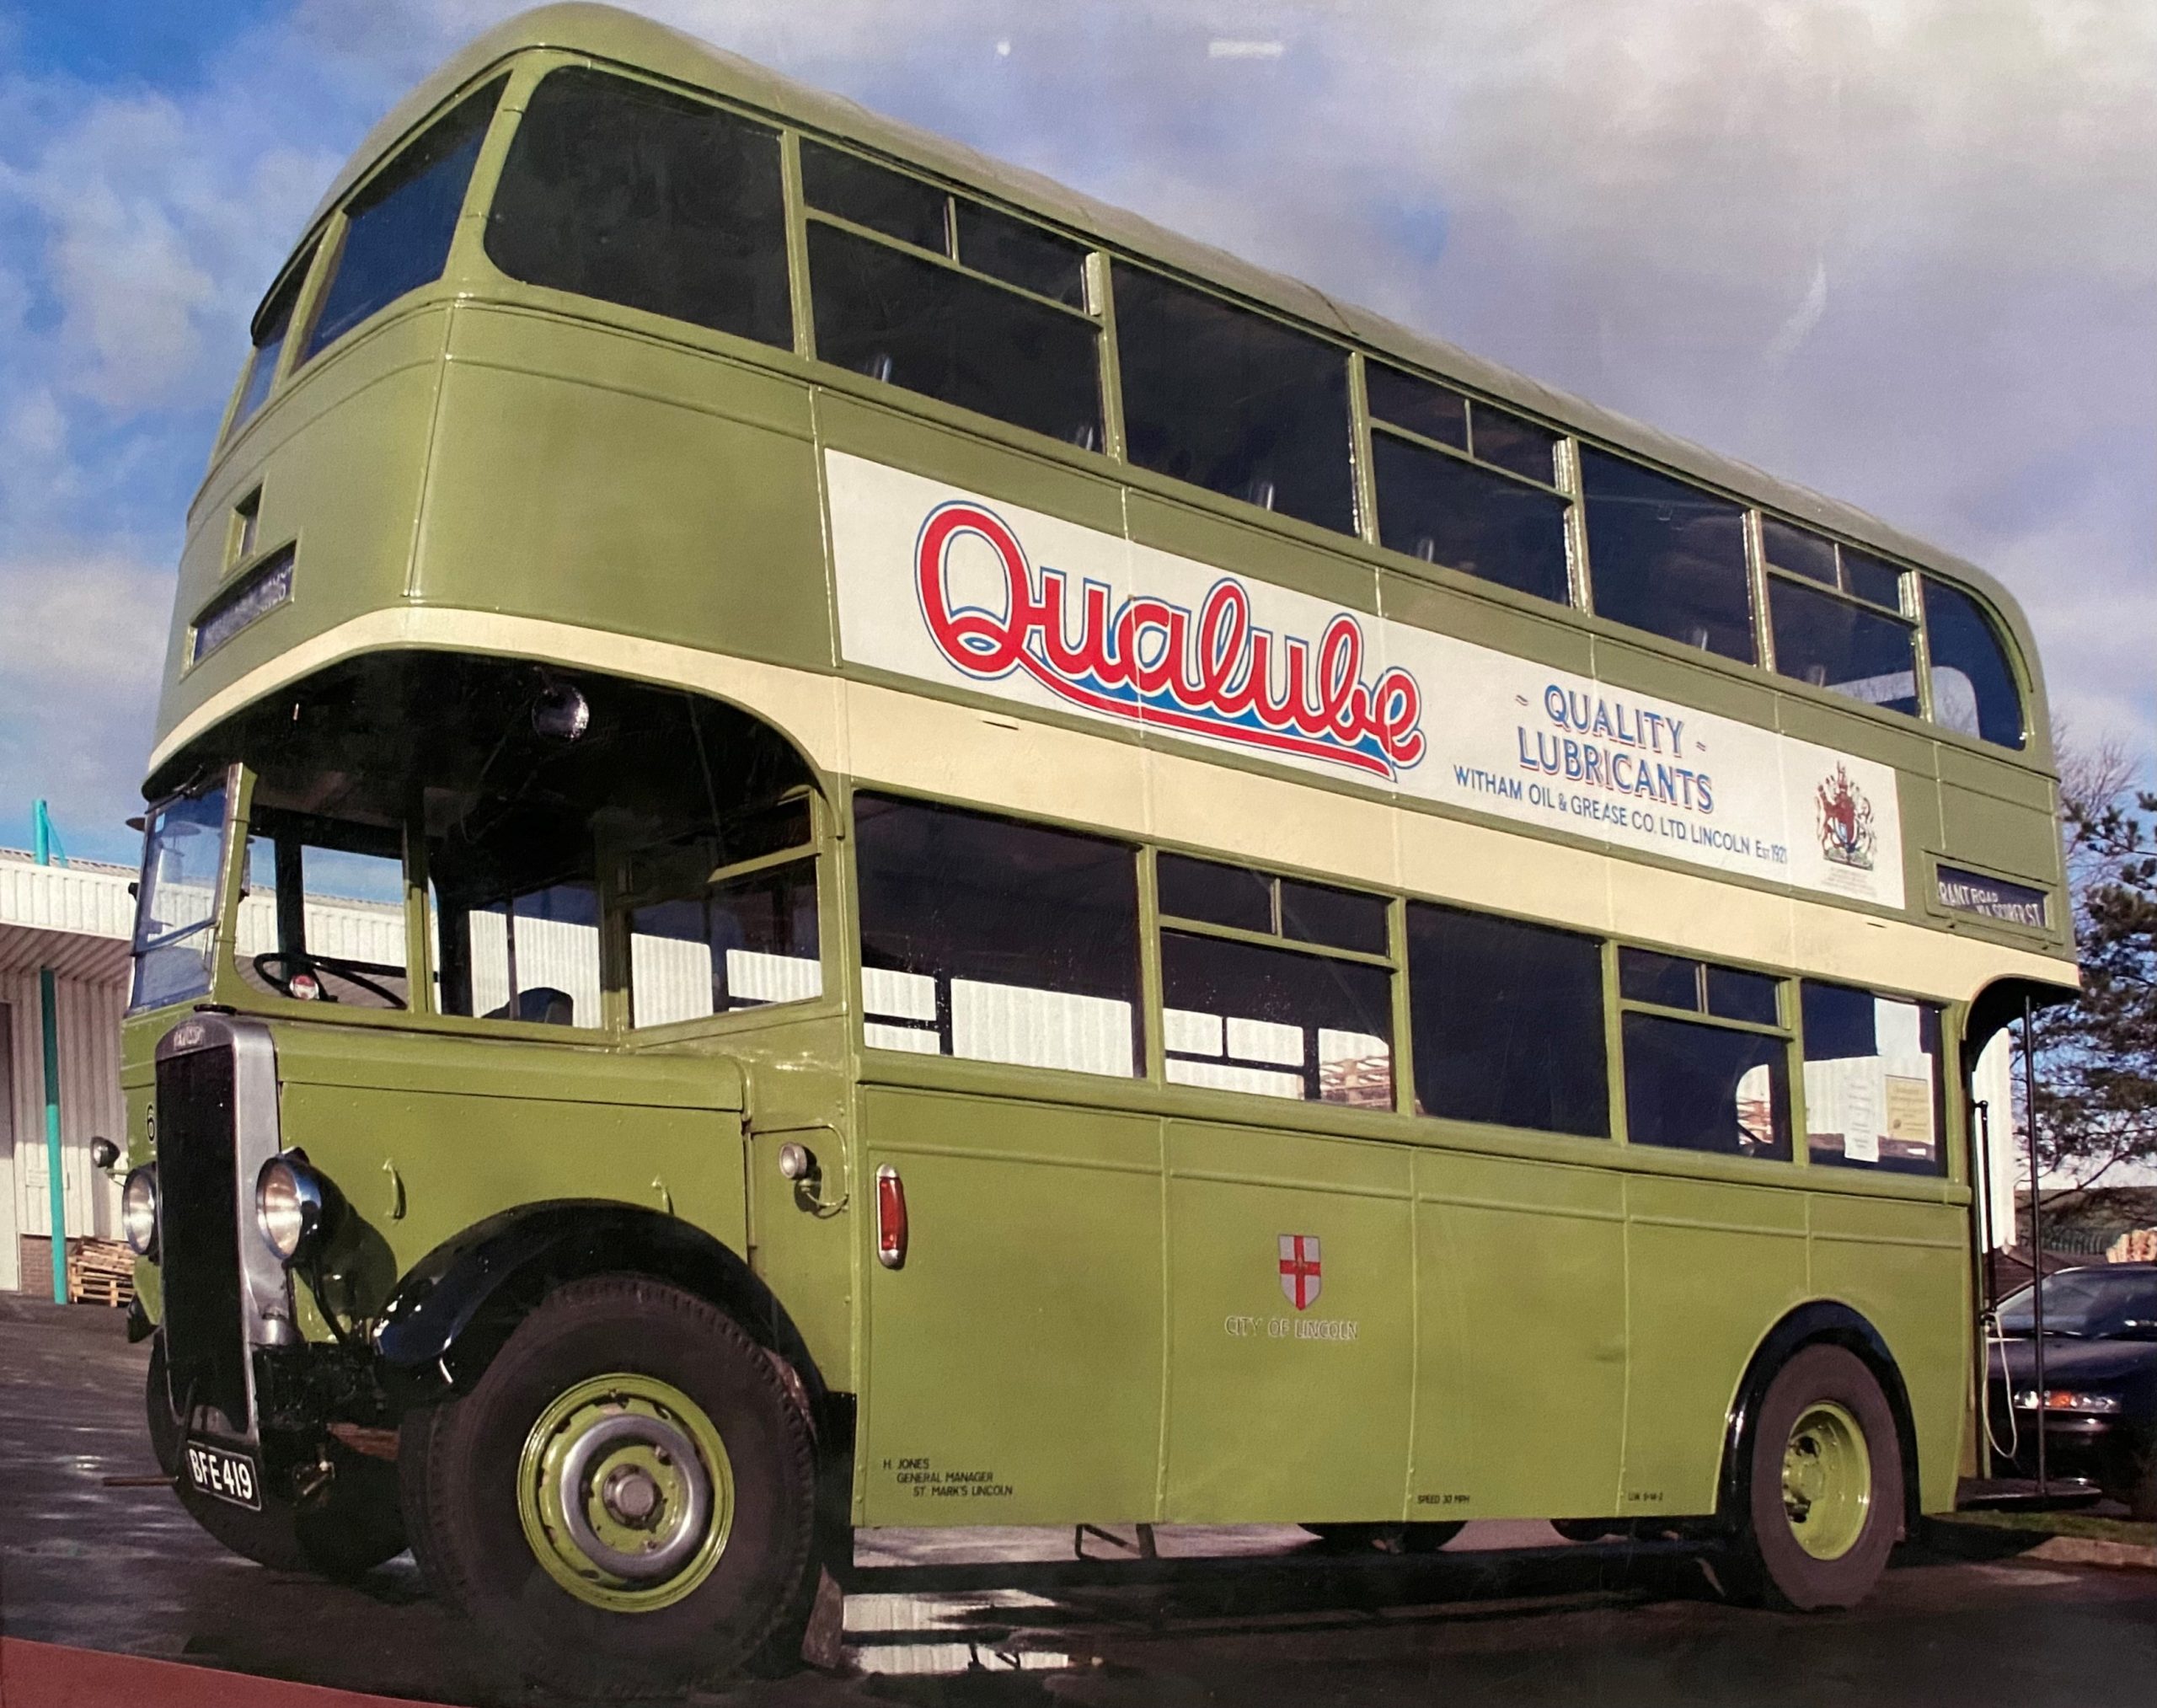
96	1554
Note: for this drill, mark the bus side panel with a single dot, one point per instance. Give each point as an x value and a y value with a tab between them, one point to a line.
692	515
1711	1268
1013	1363
1280	1411
1520	1400
418	1167
1905	1268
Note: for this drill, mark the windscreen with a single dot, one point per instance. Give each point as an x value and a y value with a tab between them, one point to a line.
2088	1304
176	898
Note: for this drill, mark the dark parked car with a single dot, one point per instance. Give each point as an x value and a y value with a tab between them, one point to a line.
2100	1398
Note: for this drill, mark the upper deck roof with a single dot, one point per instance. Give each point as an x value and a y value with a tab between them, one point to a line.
607	33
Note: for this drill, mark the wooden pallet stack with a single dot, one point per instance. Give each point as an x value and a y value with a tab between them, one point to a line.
100	1271
2139	1246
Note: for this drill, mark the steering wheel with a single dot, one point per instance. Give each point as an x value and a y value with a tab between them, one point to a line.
351	971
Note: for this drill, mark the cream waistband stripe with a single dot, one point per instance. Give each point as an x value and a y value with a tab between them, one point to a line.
1012	762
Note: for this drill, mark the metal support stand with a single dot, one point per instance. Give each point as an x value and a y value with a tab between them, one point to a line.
55	1181
2037	1236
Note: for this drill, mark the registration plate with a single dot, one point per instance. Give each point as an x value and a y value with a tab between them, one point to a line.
227	1476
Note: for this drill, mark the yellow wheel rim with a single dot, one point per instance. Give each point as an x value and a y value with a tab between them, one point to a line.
625	1492
1827	1480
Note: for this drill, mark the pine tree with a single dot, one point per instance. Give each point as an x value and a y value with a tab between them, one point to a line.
2097	1064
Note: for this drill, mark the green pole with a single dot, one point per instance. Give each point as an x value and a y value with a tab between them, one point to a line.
48	1003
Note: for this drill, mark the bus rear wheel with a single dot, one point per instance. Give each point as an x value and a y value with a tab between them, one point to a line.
625	1500
1825	1495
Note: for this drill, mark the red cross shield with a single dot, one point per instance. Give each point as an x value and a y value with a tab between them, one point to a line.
1299	1272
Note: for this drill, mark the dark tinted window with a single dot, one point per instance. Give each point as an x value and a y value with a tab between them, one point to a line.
1972	684
1318	913
931	328
1506	440
618	190
887	202
1250	901
1845	648
1733	995
1021	255
1666	557
1873	1089
996	941
271	325
1245	1017
1233	401
1798	550
1220	895
1667	980
397	229
1870	578
1446	511
1696	1087
1508	1023
1435	411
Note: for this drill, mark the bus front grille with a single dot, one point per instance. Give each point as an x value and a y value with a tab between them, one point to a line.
206	1340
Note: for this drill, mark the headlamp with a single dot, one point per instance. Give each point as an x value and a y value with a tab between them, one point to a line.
138	1211
296	1207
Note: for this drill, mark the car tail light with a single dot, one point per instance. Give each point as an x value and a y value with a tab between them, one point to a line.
890	1219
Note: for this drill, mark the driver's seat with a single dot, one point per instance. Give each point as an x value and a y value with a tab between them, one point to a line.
541	1005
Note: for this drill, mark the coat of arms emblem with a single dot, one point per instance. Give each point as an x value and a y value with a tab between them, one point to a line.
1299	1272
1846	836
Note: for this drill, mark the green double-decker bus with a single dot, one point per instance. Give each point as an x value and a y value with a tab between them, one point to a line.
839	840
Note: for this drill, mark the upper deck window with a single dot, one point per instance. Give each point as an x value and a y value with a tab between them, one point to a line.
1233	401
1853	640
273	322
1445	509
940	316
1974	687
618	190
397	229
1666	557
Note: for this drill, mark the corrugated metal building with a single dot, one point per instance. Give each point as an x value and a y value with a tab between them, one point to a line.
73	919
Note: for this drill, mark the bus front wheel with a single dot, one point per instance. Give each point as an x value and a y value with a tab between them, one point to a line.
625	1499
1825	1485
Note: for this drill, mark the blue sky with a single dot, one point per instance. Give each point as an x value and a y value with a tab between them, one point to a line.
1904	251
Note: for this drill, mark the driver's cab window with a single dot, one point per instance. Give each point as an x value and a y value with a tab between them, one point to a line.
321	916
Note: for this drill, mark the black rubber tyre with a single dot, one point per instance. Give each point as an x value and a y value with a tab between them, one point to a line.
351	1525
461	1463
1591	1529
1384	1538
1770	1564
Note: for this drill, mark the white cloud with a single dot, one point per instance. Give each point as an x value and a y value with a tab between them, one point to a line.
1902	250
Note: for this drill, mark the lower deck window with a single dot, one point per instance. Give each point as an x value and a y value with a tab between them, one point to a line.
1248	1017
531	957
745	942
996	942
1872	1081
1719	1082
1696	1087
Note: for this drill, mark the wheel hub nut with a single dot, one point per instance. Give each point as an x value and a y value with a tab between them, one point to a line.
630	1494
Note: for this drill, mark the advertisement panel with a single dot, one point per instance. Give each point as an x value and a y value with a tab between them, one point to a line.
958	590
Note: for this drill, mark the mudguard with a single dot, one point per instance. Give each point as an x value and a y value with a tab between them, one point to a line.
447	1317
1823	1321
